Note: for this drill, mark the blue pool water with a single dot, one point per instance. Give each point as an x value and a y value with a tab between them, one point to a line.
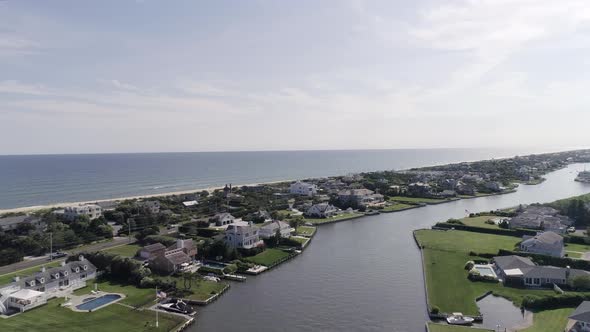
485	271
97	302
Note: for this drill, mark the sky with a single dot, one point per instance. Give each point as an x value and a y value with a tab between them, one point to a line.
164	75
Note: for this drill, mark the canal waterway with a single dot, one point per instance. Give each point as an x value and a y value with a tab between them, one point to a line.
359	275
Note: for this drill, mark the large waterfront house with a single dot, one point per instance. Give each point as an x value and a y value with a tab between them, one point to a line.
542	218
172	259
152	206
322	210
92	211
222	219
303	189
359	196
12	223
29	292
545	243
579	320
521	271
241	236
270	229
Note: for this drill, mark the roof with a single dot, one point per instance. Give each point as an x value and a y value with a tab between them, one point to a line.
178	258
551	238
154	247
223	215
355	192
512	262
26	294
17	220
553	272
189	203
582	312
513	272
323	207
273	225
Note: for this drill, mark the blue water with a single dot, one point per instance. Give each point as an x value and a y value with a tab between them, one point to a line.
46	179
97	302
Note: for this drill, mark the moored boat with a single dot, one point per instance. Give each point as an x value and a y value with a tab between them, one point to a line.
457	318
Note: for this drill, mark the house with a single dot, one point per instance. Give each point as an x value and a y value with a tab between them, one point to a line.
270	229
523	272
190	203
322	210
11	223
93	211
504	265
494	186
174	258
359	196
419	189
541	217
222	219
242	236
466	189
447	193
545	243
29	292
152	206
150	252
579	320
303	189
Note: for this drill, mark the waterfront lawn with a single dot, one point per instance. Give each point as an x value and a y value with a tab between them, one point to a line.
306	230
339	217
268	257
200	290
7	278
463	241
550	320
397	207
135	297
417	200
301	240
127	250
434	327
480	221
115	318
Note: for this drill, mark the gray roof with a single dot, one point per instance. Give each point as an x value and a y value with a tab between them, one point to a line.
512	262
178	258
582	312
552	272
48	274
550	238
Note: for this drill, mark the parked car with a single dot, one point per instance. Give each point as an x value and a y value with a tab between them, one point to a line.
58	254
571	229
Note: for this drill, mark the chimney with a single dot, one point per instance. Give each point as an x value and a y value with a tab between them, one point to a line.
16	279
179	244
567	272
81	258
43	269
63	263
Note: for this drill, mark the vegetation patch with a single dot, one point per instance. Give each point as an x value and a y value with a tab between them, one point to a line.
417	200
340	217
128	250
550	320
434	327
397	207
306	230
268	257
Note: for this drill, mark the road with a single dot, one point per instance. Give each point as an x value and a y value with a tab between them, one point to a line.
117	241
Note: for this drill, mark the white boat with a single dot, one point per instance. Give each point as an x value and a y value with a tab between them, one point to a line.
457	318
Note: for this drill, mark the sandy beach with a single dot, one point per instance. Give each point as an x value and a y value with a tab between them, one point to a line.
171	193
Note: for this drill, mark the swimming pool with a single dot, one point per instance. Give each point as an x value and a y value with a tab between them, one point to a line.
214	265
98	302
485	270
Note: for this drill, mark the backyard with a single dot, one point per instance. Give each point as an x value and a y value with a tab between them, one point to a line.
135	297
199	290
550	320
306	230
268	257
397	207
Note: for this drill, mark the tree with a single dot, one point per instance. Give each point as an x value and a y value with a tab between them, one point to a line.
296	222
581	283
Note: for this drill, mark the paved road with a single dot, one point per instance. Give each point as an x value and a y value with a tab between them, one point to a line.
117	241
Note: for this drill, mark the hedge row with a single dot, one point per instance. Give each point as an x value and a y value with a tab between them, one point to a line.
554	301
498	231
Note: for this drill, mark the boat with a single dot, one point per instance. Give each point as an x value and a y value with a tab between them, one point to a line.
178	306
457	318
583	176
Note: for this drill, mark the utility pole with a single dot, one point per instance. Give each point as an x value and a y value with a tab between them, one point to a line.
157	322
51	246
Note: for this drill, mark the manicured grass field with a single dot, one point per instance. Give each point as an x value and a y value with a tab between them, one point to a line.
301	240
445	254
479	221
136	297
397	207
306	230
113	318
128	250
550	320
465	242
201	290
340	217
577	247
416	200
268	257
433	327
7	278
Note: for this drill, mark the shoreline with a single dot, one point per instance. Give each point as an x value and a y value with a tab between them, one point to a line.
171	193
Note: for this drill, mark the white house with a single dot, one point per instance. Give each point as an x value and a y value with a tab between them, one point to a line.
93	211
303	188
322	210
269	229
546	243
241	236
222	219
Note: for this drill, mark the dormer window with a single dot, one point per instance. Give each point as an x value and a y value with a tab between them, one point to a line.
42	280
77	270
85	267
56	276
32	283
65	273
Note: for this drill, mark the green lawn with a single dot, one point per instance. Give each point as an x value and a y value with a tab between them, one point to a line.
445	255
7	278
479	221
306	230
340	217
268	257
199	290
128	250
433	327
417	200
396	207
464	241
577	247
136	297
113	318
550	320
301	240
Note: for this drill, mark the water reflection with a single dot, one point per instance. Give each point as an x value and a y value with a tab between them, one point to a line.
497	311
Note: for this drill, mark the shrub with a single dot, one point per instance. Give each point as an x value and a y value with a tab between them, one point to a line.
455	221
490	222
469	265
231	268
434	310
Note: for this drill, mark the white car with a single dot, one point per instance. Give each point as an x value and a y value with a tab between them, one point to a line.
571	229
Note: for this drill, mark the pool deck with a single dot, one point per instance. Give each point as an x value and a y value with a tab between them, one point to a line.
75	300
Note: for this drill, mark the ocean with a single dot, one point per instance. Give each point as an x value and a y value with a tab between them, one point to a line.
30	180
